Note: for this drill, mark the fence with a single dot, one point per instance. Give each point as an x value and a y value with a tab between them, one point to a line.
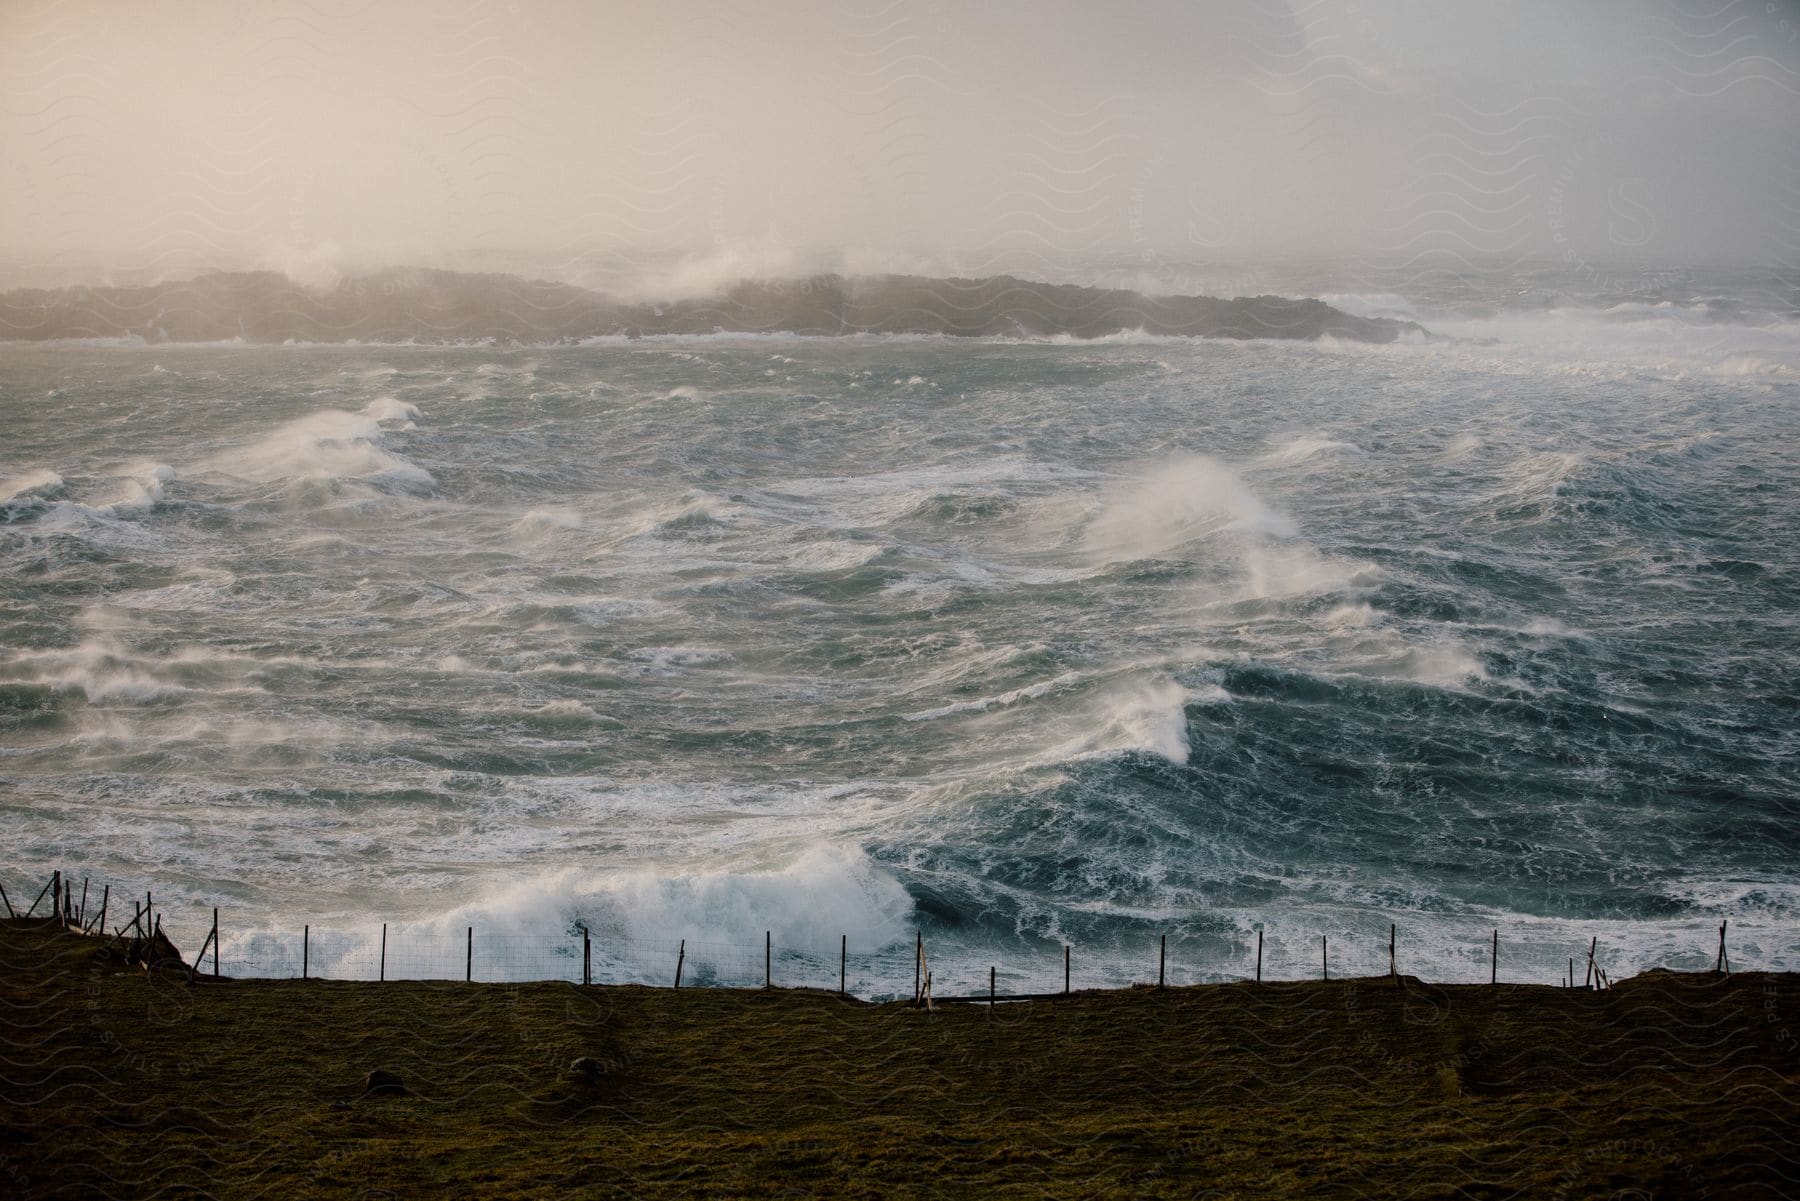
580	955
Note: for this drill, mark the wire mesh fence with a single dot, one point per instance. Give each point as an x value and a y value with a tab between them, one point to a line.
577	954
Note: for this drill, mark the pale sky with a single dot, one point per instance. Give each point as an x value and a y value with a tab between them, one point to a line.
668	146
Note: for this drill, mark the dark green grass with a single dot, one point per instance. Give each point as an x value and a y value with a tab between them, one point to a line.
120	1083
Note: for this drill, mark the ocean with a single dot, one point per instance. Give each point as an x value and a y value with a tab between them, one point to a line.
1006	644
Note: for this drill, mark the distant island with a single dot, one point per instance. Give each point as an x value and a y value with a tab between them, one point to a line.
430	306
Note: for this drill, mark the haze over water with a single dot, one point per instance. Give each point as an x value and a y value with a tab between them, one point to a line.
1022	643
1016	642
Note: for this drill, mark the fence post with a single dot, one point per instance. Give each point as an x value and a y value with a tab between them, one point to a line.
768	959
1065	969
918	958
1494	963
1588	977
1724	964
100	919
1393	960
40	897
1324	957
680	958
1162	962
990	989
587	958
843	964
1259	935
55	896
215	943
383	951
469	959
305	948
8	901
81	913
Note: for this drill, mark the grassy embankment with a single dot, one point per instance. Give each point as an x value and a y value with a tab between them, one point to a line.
120	1083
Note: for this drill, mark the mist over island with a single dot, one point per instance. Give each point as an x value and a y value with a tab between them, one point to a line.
435	306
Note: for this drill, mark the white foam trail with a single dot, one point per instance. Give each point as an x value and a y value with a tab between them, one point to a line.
1308	446
1004	699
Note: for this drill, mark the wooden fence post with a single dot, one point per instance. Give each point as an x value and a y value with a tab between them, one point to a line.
1393	962
305	948
843	963
1065	969
40	896
1324	957
1724	964
768	959
918	959
1587	979
215	943
82	912
587	958
469	958
680	958
8	902
990	989
1494	963
99	921
1162	962
383	975
1259	935
56	901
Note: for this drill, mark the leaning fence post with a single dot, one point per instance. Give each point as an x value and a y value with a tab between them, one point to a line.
305	948
8	901
82	912
843	964
1259	935
100	919
40	897
383	975
1494	963
1162	961
918	959
680	958
215	943
1588	977
1393	964
768	959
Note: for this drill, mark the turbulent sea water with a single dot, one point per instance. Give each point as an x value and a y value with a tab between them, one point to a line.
1017	643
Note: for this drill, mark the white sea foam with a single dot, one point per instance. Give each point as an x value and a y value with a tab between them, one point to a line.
1307	446
335	445
31	485
1174	504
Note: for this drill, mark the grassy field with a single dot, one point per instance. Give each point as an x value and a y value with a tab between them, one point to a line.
121	1083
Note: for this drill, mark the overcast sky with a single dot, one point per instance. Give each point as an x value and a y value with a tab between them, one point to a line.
685	142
